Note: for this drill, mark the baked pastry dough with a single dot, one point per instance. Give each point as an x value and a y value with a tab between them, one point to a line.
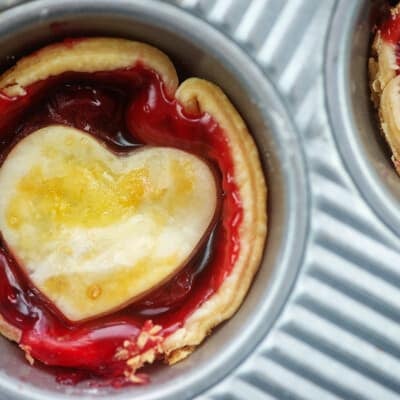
88	226
385	82
196	97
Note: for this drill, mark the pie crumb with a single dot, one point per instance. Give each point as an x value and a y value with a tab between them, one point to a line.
27	350
136	352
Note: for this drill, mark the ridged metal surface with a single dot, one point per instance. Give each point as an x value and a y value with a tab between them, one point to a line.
339	335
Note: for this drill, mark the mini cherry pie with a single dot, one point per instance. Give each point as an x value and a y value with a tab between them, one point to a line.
132	208
385	80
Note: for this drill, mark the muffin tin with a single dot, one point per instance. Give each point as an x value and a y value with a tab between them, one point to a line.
322	318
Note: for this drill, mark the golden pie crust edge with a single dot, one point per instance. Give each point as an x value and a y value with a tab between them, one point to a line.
107	54
385	90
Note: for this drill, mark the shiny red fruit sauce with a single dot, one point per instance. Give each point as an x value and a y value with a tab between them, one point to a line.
124	109
390	29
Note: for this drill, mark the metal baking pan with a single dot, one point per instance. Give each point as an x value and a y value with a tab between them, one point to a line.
322	318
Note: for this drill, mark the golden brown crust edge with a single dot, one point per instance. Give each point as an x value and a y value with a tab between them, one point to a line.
250	180
195	95
86	55
10	332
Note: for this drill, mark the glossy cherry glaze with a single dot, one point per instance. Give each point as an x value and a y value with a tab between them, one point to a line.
389	26
124	109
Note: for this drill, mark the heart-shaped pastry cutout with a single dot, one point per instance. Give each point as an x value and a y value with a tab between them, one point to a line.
93	230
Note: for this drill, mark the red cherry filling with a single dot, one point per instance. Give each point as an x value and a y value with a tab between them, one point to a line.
125	109
389	27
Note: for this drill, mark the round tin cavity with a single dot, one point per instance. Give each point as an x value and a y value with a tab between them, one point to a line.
201	50
352	115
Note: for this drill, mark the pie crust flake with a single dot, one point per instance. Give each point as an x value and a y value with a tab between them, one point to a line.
195	101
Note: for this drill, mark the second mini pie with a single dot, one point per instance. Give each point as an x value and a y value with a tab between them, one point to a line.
385	81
